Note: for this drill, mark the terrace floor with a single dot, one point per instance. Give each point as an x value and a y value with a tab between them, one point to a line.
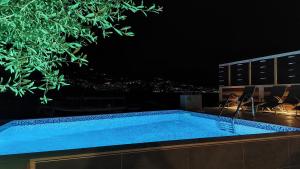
281	118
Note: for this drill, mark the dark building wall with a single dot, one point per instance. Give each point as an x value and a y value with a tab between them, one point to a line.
270	70
263	72
240	74
289	70
223	75
277	153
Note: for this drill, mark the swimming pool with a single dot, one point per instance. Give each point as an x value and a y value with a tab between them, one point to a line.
44	135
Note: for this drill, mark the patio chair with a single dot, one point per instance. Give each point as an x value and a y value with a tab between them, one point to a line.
246	97
231	99
293	97
274	100
297	108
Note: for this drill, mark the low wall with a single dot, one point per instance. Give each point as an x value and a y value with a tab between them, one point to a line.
252	152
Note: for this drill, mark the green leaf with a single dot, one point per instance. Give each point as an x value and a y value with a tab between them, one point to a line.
3	2
118	31
129	34
74	45
72	7
90	15
126	28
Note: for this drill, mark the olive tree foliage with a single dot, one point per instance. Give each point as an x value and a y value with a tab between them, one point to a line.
38	37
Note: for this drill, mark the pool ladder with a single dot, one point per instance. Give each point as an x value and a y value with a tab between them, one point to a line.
226	126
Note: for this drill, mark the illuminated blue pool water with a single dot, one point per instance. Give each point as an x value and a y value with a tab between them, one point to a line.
44	135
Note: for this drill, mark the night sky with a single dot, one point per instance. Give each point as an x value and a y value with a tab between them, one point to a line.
190	38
